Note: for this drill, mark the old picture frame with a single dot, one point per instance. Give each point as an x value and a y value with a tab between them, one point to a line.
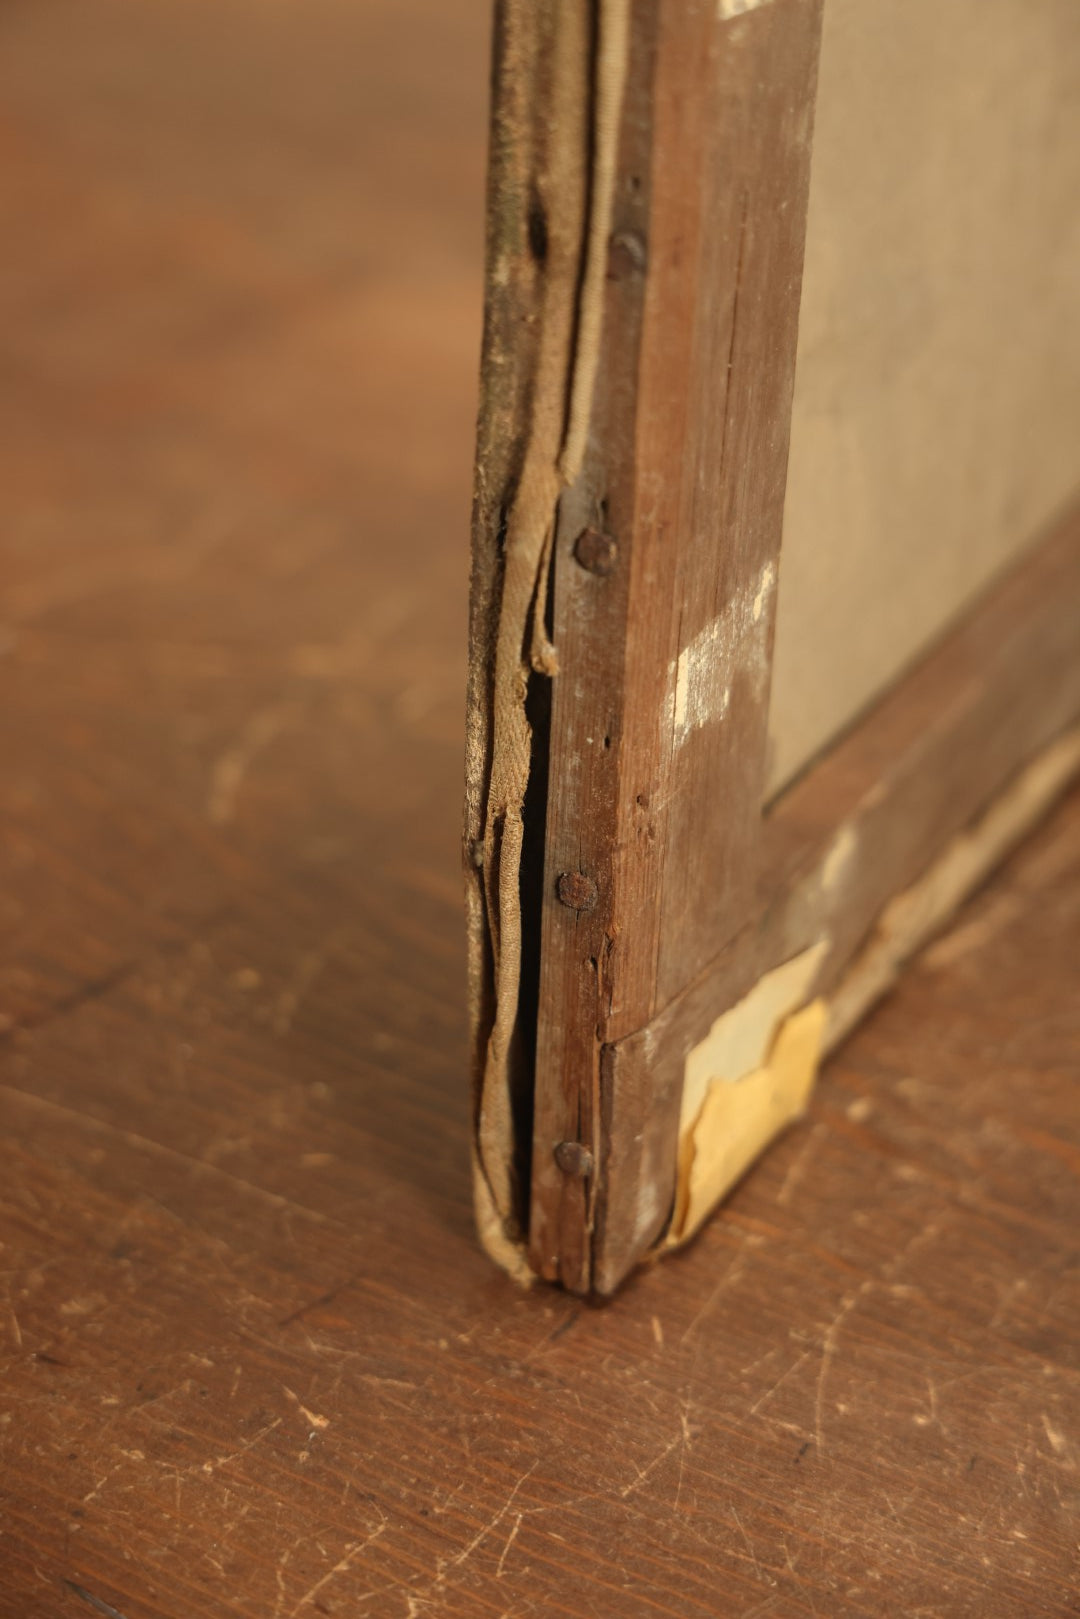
668	929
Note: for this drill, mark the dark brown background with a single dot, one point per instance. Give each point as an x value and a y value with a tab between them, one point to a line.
254	1363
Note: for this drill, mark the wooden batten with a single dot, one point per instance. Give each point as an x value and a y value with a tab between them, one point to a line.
685	475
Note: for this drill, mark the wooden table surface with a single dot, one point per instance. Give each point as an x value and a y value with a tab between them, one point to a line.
253	1361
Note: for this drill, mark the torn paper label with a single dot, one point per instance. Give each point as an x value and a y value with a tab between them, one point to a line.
738	1120
739	1040
749	1077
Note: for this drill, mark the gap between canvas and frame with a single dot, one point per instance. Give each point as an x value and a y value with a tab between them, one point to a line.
588	75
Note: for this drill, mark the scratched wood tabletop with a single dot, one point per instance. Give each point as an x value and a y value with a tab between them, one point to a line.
253	1362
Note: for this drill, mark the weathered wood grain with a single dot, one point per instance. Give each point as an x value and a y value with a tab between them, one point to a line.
253	1361
649	795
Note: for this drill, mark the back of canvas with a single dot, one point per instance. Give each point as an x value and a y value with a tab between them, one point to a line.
936	425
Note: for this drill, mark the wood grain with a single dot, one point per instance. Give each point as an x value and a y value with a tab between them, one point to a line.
254	1362
649	795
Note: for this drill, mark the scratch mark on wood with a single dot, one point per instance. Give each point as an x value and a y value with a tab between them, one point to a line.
312	1418
926	1419
509	1542
279	1575
303	1309
351	1553
92	1601
746	1538
147	1144
733	1275
804	1590
684	1421
644	1472
828	1349
481	1534
799	1361
224	1461
99	1486
1058	1443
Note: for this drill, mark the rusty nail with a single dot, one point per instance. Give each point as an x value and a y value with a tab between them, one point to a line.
574	1159
576	890
596	551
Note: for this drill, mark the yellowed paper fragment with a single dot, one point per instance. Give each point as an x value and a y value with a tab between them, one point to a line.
744	1082
739	1040
739	1120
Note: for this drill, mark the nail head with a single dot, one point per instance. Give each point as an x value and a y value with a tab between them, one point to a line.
596	551
576	891
574	1159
